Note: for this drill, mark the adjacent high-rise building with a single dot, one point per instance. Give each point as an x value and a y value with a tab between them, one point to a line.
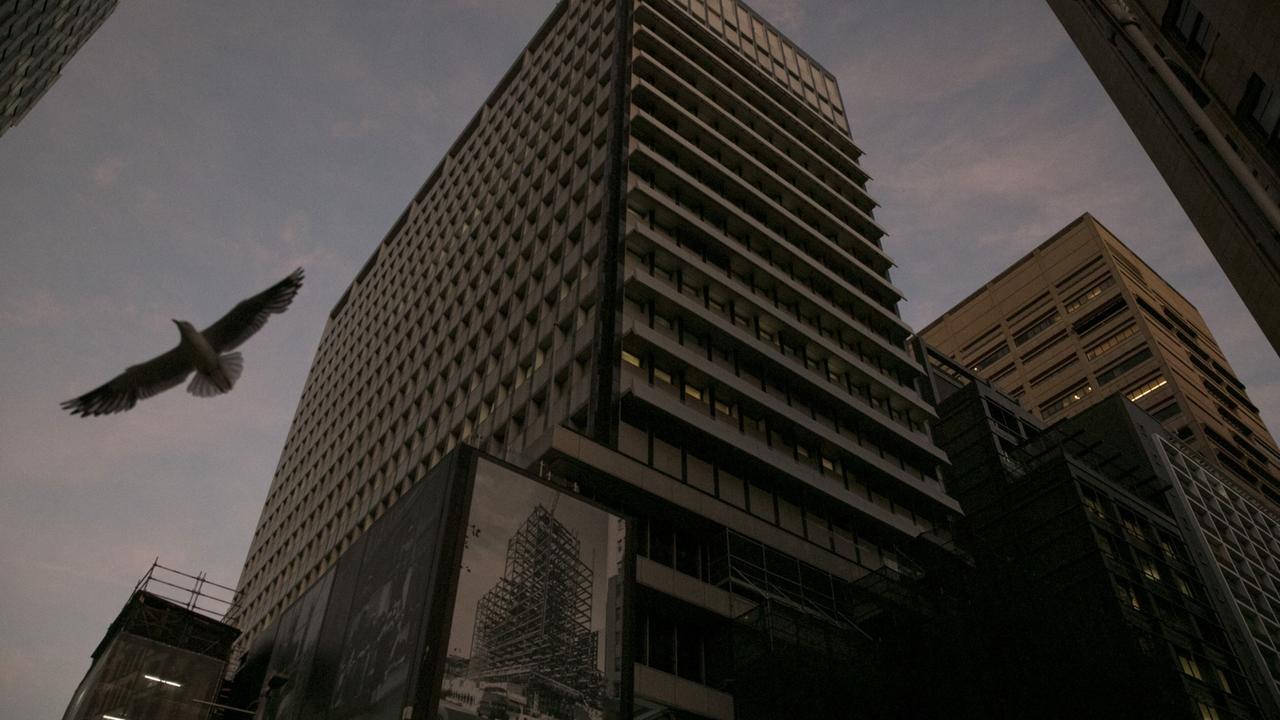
1232	536
652	249
38	37
1198	81
1109	557
1082	317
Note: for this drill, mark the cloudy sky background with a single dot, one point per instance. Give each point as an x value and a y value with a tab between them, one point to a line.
193	153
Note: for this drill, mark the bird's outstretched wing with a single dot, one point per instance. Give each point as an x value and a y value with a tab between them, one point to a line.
138	382
250	315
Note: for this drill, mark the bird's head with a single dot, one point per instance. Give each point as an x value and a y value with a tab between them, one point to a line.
184	327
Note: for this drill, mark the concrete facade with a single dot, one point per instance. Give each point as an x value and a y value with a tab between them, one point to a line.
651	254
38	37
1082	317
1198	81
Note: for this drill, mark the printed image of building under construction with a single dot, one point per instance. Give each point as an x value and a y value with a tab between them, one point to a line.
533	651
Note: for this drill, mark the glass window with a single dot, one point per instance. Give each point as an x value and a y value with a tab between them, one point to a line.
1189	666
1146	388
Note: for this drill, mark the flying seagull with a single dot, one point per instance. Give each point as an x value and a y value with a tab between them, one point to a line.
205	352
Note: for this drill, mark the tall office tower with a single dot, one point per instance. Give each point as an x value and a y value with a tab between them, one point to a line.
38	37
1082	317
653	241
1198	81
1092	571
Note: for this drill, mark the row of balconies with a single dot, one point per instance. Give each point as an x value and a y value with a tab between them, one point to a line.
768	399
693	96
775	105
686	199
888	479
892	413
763	166
750	288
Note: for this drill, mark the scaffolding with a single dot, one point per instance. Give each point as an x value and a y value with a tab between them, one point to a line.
533	628
165	653
194	592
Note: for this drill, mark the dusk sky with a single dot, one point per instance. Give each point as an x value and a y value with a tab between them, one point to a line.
193	153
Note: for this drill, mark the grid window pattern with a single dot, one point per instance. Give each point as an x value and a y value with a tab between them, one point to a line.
471	322
1243	536
38	37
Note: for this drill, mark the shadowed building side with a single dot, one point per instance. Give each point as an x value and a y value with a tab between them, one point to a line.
1198	82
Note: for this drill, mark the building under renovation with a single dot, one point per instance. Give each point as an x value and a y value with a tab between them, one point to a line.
164	656
533	628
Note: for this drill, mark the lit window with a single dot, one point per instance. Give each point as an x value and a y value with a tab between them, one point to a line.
632	359
1092	503
1111	342
1132	525
1146	389
1128	595
1189	667
162	681
662	375
1183	587
1150	571
1222	680
1089	294
1053	408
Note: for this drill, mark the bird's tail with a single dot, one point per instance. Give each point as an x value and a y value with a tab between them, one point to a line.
229	367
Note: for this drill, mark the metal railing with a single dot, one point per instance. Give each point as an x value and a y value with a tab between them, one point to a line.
194	592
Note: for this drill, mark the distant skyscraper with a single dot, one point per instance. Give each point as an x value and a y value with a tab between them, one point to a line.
1080	318
651	249
1199	83
38	37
